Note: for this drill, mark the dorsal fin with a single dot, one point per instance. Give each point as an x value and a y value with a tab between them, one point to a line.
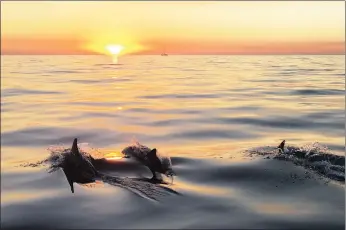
282	145
152	153
74	148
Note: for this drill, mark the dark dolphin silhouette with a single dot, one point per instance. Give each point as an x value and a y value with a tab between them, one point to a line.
155	165
78	168
150	159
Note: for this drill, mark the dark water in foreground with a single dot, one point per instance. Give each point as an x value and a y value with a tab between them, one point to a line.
203	111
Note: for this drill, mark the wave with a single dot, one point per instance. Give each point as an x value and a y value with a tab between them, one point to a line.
183	96
318	92
20	92
261	193
313	156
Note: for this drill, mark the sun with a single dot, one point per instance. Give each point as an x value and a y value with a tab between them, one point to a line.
114	49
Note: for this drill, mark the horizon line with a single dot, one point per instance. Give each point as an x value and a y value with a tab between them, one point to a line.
247	54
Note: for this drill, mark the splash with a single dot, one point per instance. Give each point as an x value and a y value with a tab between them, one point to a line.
315	148
314	156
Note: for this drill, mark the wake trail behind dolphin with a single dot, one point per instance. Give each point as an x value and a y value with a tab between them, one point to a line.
139	187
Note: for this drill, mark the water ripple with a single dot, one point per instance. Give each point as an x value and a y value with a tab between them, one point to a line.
190	106
21	92
318	92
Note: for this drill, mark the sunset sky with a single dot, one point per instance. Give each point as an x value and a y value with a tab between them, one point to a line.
176	27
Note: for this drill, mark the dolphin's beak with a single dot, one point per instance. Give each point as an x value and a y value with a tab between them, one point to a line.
170	174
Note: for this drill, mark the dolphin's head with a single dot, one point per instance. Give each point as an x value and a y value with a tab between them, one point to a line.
170	172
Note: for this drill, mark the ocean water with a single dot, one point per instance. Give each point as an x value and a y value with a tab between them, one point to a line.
205	112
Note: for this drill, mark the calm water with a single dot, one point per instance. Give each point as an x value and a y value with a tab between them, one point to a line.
203	111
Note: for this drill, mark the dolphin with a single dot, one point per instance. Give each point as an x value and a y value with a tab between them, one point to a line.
78	168
150	159
155	165
81	169
311	155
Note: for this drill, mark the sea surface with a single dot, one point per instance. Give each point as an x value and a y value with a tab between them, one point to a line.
205	112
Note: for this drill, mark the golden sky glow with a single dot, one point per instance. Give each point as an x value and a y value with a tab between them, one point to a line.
176	27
